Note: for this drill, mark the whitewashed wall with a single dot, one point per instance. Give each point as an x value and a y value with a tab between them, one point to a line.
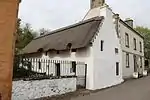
82	55
104	69
26	90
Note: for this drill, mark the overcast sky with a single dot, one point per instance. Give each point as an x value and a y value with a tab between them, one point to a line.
52	14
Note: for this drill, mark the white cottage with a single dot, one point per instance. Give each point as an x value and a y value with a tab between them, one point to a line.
93	41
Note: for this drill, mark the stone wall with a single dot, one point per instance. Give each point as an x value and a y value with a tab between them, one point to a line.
25	90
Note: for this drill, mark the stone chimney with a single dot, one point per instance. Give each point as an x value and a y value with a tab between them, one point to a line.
97	3
116	17
129	22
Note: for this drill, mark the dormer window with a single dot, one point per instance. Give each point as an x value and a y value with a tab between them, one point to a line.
69	45
40	50
74	50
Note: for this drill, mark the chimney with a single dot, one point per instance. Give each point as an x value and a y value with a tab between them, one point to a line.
97	3
129	22
116	17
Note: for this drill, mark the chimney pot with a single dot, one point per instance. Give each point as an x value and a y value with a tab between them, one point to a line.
97	3
129	21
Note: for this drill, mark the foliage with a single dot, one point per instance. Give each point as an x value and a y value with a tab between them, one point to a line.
44	31
23	69
24	34
145	32
19	71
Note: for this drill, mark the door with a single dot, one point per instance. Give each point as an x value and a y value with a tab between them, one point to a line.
57	69
74	67
135	63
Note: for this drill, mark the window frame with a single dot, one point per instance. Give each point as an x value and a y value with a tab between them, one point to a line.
127	40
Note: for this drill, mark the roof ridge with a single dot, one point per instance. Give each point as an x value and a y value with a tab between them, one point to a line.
71	26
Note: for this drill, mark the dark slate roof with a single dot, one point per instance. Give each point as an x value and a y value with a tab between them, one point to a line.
131	28
77	35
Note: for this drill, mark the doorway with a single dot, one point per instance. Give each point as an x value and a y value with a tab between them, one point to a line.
135	63
57	69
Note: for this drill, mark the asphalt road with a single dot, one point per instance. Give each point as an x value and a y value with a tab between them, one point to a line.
131	90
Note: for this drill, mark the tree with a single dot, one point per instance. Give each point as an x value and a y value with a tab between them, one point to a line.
24	34
145	32
44	31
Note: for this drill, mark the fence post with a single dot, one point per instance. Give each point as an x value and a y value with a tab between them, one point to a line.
85	74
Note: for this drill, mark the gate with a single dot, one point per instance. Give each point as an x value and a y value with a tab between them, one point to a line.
81	71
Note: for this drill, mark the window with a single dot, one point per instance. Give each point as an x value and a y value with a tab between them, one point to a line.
127	60
58	52
116	50
39	64
117	68
74	50
140	46
46	53
102	44
127	40
134	41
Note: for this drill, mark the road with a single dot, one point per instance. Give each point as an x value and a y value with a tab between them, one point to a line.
131	90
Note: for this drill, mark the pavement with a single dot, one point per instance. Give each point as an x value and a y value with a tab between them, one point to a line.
136	89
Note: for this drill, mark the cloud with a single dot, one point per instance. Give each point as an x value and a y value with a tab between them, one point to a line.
52	14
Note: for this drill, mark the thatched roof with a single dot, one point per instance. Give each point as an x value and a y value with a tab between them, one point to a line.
75	36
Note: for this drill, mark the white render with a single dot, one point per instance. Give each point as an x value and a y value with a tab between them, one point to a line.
128	72
81	55
27	90
104	62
